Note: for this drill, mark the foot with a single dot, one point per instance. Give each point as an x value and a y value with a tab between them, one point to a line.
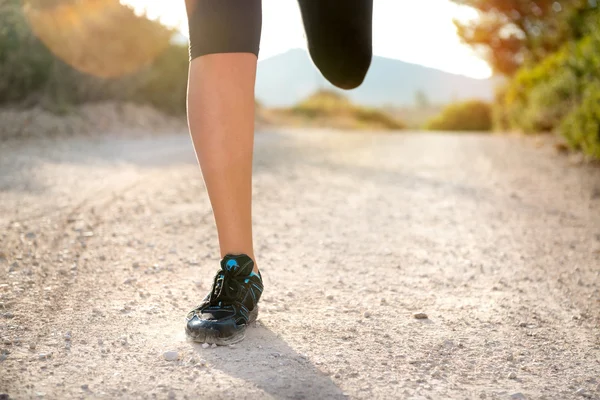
230	306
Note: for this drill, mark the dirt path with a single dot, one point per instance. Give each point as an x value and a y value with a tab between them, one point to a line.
106	244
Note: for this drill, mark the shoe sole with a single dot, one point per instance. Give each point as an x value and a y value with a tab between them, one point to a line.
212	336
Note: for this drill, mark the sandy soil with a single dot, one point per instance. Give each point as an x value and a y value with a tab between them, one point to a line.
107	243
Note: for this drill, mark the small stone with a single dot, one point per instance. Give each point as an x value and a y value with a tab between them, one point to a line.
68	336
581	392
205	345
43	356
84	386
512	375
213	346
232	346
367	314
31	346
123	340
129	281
329	297
9	315
420	315
510	357
518	396
171	356
135	265
290	294
100	341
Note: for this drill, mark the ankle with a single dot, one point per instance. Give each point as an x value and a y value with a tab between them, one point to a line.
251	255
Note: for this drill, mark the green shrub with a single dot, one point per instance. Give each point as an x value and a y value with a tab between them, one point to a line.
371	116
535	89
25	63
581	127
549	102
559	94
88	66
472	115
328	105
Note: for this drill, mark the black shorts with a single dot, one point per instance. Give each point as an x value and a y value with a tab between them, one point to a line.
339	33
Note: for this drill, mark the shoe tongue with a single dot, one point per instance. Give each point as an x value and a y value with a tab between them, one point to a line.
239	264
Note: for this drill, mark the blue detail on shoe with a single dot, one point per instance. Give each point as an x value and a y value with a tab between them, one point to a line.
231	264
255	274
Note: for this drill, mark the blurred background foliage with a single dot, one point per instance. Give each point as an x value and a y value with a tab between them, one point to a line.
333	109
473	115
550	52
57	54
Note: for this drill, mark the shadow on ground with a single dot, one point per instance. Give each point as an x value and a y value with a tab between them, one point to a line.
268	362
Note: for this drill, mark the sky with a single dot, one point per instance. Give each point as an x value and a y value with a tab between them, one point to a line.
420	32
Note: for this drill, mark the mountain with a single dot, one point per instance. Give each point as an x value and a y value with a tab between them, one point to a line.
287	78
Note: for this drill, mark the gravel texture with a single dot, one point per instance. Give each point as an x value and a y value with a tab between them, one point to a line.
396	266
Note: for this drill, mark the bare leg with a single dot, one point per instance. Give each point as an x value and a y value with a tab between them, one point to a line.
221	121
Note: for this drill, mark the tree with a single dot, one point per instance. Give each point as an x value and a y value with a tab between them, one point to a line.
510	33
421	99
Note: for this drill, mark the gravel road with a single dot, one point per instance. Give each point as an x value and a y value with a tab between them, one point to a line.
396	266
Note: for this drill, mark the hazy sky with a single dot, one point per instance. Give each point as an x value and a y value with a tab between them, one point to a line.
417	31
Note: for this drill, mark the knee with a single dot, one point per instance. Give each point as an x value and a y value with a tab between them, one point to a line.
344	67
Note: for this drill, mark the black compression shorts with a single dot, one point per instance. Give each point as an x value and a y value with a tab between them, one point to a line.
339	33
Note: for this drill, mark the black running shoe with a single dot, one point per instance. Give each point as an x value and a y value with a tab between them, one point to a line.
231	305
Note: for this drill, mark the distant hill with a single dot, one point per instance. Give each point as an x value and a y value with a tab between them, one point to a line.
288	78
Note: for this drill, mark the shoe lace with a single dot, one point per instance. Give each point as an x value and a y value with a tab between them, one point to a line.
226	288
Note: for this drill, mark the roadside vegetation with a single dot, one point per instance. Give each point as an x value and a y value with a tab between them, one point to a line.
331	109
472	115
550	53
58	54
